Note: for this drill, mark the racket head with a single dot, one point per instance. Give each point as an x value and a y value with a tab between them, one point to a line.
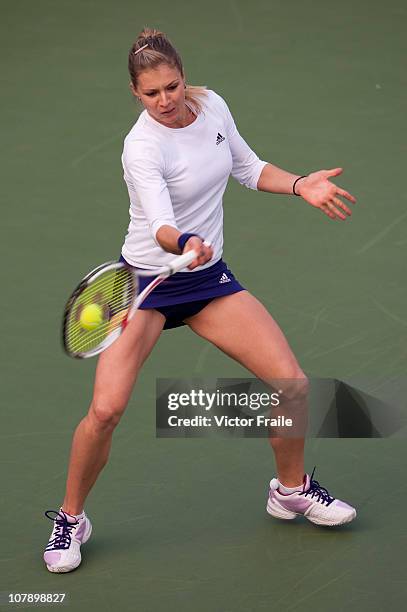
112	287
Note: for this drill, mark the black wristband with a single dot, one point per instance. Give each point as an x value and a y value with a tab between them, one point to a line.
183	239
296	181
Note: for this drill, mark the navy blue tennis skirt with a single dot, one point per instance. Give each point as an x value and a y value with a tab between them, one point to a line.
184	294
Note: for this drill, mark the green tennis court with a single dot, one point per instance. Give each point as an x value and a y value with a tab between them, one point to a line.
181	524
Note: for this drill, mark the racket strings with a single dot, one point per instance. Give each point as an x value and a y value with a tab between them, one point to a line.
113	291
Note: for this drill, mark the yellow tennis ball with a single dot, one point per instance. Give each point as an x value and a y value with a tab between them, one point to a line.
91	316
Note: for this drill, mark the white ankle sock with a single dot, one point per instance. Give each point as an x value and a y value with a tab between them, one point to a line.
75	516
289	490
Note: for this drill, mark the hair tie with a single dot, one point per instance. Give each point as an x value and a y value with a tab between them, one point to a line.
141	48
296	181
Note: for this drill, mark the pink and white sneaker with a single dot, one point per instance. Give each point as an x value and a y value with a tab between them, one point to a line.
314	502
63	552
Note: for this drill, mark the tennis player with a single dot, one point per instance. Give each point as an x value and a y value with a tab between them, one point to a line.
177	160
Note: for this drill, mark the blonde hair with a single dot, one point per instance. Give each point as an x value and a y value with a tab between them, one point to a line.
159	50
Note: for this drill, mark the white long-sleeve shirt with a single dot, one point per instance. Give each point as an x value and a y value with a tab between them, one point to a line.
177	177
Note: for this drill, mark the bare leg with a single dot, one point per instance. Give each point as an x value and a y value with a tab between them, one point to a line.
242	328
116	373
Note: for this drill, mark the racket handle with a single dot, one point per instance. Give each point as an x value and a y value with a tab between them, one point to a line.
182	261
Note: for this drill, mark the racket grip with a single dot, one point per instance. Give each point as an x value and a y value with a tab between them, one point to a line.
182	261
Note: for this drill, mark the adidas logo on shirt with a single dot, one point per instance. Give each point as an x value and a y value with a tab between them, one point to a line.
219	139
224	278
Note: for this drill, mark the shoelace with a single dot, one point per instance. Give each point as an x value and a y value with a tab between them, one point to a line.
315	490
62	531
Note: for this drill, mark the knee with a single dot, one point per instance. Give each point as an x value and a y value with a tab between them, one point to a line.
293	404
105	414
296	387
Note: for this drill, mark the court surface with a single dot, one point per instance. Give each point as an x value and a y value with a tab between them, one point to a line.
181	524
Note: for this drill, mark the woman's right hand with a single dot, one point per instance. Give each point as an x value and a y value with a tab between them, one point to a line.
204	250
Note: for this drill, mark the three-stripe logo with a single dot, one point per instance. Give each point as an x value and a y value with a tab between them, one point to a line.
224	278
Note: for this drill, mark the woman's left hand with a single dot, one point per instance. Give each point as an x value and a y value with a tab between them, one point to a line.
318	191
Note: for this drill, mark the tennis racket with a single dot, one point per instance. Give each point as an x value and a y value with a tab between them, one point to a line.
104	302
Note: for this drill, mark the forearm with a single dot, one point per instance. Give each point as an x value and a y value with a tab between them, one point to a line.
167	237
276	180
